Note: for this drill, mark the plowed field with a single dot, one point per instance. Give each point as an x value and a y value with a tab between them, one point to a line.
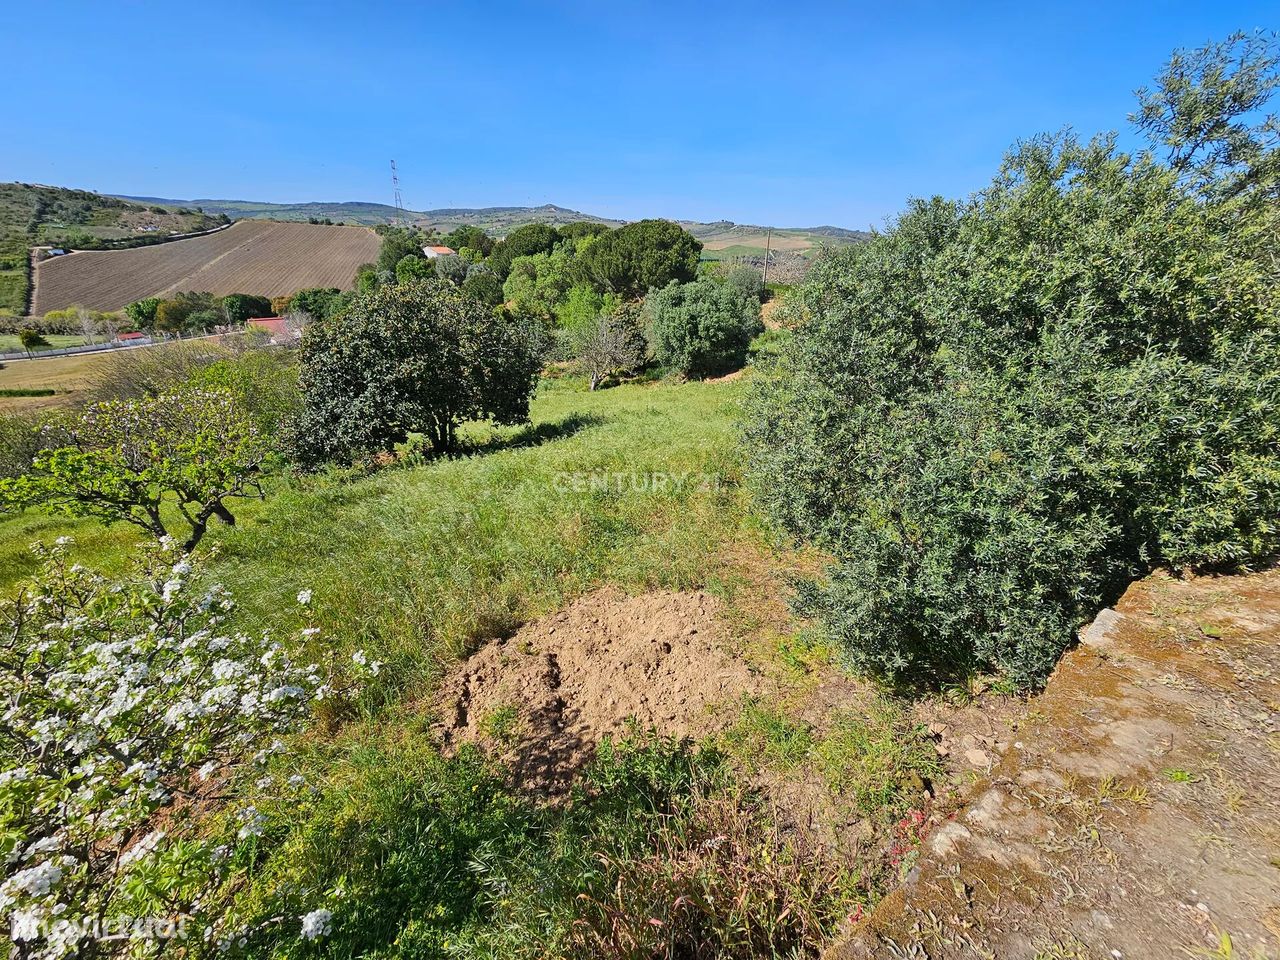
251	256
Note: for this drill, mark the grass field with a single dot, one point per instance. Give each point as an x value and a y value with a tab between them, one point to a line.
9	341
259	257
67	375
418	565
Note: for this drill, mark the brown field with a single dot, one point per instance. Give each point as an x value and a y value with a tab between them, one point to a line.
251	256
739	237
68	375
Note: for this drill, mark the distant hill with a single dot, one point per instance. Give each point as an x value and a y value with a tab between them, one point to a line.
34	215
721	239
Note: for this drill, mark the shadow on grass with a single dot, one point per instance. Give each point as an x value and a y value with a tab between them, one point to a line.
535	434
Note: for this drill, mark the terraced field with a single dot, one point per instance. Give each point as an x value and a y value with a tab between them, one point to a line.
261	257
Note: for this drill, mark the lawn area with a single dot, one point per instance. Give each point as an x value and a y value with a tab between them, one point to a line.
412	562
9	342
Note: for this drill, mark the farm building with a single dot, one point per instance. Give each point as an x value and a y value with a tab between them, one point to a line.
278	329
131	339
432	252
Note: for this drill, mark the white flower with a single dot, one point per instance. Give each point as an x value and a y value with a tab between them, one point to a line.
181	568
317	924
171	589
376	667
304	596
38	880
359	657
310	631
64	541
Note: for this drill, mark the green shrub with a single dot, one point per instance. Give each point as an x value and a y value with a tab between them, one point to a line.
997	413
239	307
701	329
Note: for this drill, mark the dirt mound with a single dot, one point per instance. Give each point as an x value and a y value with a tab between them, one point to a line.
545	697
1134	812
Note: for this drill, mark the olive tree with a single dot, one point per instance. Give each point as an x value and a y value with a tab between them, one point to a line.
701	329
420	357
124	460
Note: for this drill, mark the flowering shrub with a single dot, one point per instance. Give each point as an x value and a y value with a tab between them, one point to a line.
123	459
125	700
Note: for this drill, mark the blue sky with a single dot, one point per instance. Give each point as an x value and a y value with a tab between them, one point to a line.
780	113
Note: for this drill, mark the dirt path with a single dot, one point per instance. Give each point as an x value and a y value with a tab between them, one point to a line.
1137	812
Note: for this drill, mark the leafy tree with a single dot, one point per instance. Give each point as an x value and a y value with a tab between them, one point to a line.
123	460
581	305
1206	111
367	278
412	268
608	344
538	283
484	285
701	329
142	313
316	302
639	257
239	307
472	237
31	339
452	268
998	412
419	357
470	254
398	243
526	241
582	228
188	311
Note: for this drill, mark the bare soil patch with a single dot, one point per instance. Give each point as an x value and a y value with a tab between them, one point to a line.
544	698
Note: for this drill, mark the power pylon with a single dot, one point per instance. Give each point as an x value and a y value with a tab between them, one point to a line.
395	185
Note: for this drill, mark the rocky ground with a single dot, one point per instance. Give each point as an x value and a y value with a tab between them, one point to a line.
1131	811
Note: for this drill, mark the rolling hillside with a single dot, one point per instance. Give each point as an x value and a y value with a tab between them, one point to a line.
34	215
721	238
261	257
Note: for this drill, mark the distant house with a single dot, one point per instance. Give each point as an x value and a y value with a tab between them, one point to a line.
131	339
57	252
432	252
278	329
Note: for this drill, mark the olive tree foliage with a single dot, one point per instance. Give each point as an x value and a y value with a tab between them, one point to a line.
451	267
414	358
609	344
639	257
701	329
123	696
998	412
1207	112
124	460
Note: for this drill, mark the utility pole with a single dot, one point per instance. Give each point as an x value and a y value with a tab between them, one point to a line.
395	186
768	245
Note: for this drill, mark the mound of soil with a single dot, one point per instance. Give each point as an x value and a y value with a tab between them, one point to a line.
544	698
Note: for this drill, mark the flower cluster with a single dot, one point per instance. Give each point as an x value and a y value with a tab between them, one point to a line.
120	698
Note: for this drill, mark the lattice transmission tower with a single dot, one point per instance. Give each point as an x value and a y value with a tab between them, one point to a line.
395	185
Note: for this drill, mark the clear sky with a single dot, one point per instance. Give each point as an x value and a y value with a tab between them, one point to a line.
785	113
